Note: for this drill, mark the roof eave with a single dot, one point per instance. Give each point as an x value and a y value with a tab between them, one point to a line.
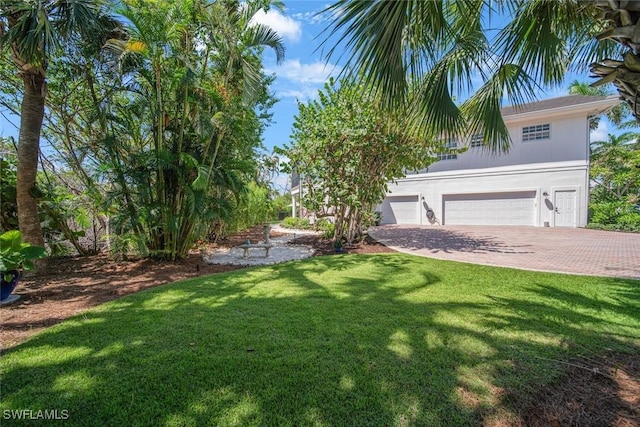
587	108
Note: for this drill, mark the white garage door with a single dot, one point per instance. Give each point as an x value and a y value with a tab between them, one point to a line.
400	210
513	208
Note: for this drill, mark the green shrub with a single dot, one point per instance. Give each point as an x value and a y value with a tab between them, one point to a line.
323	225
614	227
326	227
297	223
615	216
606	212
8	205
280	204
252	208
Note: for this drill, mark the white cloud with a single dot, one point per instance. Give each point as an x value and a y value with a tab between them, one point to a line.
302	95
286	27
301	81
601	133
317	72
312	17
318	16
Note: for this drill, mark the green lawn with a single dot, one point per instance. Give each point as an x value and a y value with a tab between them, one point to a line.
330	341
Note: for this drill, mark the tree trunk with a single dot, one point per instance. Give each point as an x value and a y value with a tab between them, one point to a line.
31	116
621	19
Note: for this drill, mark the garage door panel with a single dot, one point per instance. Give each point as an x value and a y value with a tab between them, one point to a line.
400	210
512	208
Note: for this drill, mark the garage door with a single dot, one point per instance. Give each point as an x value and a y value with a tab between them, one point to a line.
400	210
513	208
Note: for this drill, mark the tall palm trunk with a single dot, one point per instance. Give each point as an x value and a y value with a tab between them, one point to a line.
621	19
32	113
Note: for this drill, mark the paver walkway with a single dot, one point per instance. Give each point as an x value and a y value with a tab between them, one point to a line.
565	250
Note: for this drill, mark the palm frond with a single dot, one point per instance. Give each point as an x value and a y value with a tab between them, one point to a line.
432	110
31	33
373	33
77	15
545	37
483	109
262	35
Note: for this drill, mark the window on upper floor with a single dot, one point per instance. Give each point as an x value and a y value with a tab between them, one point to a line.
477	140
451	143
534	133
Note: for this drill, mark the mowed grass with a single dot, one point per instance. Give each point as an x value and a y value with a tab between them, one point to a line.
386	339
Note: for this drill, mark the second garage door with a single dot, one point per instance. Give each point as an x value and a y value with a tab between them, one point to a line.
512	208
400	210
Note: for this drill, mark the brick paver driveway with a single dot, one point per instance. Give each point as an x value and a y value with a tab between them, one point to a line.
565	250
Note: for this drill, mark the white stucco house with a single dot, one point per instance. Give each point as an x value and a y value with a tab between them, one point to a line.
542	181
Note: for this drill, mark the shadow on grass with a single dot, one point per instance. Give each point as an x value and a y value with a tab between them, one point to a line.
350	340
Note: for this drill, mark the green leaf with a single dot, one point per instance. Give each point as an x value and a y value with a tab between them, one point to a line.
33	252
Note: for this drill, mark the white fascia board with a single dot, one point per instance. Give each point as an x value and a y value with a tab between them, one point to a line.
502	170
587	109
392	194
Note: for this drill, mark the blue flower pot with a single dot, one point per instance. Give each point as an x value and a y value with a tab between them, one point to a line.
7	287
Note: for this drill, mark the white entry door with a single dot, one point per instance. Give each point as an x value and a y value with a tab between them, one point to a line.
565	208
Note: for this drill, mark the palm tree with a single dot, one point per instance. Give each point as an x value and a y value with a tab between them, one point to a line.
194	68
626	140
620	19
615	170
423	55
32	31
615	114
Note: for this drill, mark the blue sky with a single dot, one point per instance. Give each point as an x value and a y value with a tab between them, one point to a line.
305	69
303	72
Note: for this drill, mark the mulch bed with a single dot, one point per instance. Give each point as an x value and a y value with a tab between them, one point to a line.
600	391
605	392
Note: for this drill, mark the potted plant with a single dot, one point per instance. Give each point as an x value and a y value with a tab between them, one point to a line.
338	245
15	258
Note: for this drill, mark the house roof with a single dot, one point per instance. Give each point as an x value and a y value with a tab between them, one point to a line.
553	103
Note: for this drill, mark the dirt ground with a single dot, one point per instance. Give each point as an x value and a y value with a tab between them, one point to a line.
602	392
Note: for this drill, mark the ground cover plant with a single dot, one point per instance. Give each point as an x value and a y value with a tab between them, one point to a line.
385	339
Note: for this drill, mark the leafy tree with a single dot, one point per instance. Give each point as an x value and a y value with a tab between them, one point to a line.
281	203
253	208
196	95
61	216
346	149
619	19
616	114
615	172
32	31
160	129
614	168
8	205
